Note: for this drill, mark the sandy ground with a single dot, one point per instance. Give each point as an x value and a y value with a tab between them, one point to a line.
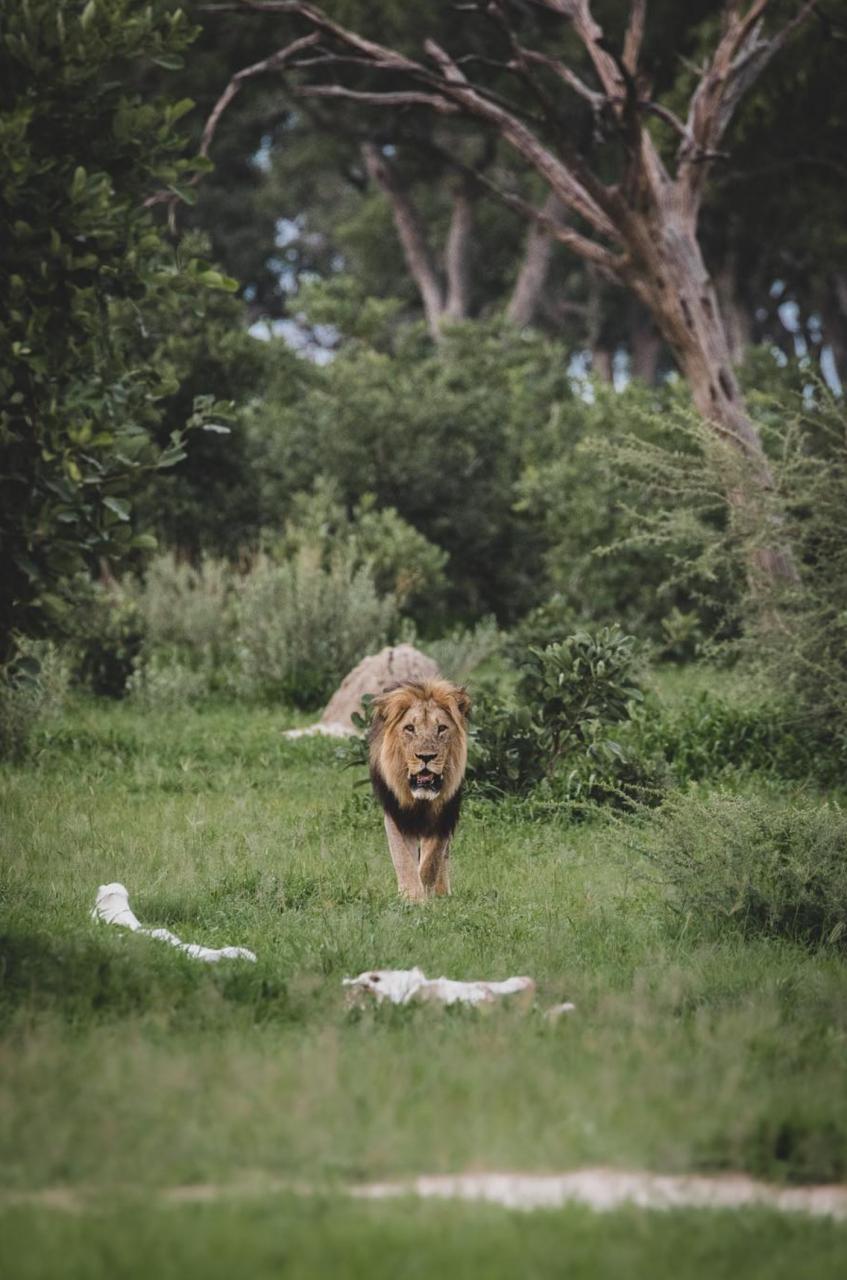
598	1189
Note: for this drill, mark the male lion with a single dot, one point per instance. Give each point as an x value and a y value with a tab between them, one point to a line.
418	754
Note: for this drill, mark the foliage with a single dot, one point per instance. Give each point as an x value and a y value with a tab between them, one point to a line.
80	153
32	689
555	732
438	436
105	634
399	559
707	736
737	863
303	625
599	568
795	633
162	682
188	608
462	650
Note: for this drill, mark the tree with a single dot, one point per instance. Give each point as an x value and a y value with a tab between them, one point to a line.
85	268
639	229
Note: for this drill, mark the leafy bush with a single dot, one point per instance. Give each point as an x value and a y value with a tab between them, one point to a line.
302	626
556	732
399	559
161	682
188	608
731	862
462	650
32	688
707	736
793	632
437	435
106	634
85	264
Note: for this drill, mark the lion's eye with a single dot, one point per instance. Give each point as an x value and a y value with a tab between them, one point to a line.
442	728
409	728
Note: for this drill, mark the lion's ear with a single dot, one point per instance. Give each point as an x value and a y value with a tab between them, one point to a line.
463	702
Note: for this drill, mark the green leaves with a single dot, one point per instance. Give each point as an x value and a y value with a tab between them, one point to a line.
89	276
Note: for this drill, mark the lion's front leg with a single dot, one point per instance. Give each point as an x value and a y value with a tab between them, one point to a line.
435	865
404	855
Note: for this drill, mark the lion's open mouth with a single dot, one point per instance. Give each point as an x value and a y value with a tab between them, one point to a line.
425	781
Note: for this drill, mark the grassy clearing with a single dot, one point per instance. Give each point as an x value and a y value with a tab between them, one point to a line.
287	1238
126	1065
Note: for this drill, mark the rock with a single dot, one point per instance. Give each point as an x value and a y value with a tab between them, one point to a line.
403	664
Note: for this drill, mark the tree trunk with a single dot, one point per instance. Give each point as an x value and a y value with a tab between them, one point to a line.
737	319
411	235
532	277
645	346
457	252
669	275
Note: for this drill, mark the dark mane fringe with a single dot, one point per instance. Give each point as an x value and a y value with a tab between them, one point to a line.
418	819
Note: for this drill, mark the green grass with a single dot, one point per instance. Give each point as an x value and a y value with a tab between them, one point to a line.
126	1067
288	1238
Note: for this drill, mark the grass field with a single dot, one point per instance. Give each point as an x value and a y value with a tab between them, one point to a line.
128	1069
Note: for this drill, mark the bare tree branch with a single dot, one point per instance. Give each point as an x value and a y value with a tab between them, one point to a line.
457	253
402	98
532	277
739	59
276	62
411	234
634	35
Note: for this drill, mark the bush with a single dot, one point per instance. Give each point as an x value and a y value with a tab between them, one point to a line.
706	737
795	633
399	559
188	608
161	682
32	688
555	734
437	435
87	265
302	626
459	652
735	863
106	634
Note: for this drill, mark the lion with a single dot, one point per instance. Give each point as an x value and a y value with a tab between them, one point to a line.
418	755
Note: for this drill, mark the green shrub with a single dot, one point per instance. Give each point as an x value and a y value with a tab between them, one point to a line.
459	652
732	862
188	608
707	736
106	634
554	734
399	559
162	681
32	688
793	632
302	626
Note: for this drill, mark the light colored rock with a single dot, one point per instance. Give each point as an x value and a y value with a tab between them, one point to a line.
402	664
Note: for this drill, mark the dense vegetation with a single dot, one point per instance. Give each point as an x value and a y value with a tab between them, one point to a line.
265	412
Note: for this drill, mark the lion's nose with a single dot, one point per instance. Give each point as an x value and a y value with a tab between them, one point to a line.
426	759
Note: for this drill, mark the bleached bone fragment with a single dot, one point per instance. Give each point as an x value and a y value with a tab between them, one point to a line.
402	986
112	907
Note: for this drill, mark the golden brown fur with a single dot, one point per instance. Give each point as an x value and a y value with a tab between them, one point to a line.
418	756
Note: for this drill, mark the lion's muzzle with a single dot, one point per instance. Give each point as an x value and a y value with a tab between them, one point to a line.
425	785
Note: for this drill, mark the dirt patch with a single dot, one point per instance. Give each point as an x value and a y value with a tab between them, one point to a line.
599	1189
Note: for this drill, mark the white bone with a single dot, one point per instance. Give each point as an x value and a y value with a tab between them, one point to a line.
402	986
112	907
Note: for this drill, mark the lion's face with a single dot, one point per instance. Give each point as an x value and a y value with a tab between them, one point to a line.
419	742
